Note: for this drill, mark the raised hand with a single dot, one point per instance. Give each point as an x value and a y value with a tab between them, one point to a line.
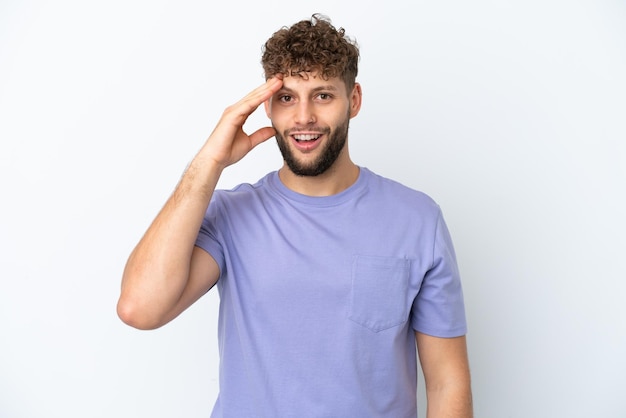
228	143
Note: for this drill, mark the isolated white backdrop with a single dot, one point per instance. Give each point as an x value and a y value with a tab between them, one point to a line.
511	114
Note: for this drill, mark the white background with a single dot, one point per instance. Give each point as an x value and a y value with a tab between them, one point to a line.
511	114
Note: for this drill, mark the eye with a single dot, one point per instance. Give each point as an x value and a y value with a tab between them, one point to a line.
324	96
285	98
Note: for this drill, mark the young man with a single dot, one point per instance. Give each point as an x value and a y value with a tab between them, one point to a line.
329	275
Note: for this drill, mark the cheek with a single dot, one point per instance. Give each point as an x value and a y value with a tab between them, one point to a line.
341	116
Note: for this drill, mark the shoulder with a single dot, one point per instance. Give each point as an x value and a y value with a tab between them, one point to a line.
243	191
398	194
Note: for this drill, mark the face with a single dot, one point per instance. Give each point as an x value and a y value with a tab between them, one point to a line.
311	117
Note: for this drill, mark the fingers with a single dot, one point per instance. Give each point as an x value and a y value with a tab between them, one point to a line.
255	98
228	143
264	91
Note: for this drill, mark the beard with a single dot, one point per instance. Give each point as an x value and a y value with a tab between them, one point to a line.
327	156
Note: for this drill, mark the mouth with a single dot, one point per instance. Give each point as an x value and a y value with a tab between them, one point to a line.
306	142
306	137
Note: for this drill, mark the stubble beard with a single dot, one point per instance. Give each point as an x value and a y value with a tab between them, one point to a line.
327	157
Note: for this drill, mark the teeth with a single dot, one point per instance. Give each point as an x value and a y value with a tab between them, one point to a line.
306	137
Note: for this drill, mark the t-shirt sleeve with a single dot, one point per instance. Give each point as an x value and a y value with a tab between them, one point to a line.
439	309
208	236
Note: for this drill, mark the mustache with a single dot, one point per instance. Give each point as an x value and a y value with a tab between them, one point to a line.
308	130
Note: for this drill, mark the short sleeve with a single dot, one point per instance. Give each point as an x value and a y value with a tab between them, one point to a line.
208	236
439	309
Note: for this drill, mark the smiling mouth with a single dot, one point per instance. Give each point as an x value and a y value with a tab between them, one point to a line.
306	137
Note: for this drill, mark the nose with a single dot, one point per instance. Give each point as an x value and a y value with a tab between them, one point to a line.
304	113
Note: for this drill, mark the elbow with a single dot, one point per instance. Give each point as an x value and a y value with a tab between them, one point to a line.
131	314
136	306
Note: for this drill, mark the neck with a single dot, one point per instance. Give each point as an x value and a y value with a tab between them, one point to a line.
335	180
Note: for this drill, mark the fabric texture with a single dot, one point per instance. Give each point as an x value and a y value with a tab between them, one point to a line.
320	297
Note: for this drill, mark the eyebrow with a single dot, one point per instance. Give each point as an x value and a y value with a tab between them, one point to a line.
326	87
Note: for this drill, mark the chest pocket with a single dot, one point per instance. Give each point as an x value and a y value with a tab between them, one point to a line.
379	292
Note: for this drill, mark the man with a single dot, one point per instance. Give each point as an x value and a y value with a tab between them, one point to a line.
329	275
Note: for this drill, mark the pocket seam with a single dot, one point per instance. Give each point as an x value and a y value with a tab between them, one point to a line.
366	289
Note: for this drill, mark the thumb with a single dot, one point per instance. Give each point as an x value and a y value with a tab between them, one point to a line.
261	135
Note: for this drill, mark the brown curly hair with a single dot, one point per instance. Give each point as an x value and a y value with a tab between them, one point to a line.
313	45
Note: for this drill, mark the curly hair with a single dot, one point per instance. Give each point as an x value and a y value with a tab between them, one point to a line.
313	45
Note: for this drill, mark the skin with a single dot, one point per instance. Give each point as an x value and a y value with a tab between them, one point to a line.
166	273
446	370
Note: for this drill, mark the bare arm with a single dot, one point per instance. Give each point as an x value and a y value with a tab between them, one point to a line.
166	273
446	373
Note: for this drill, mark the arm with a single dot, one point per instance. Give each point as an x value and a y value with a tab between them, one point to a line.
166	273
446	373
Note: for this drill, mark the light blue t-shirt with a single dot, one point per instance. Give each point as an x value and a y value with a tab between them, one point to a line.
320	297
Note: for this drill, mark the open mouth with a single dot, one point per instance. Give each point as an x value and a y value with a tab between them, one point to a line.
306	137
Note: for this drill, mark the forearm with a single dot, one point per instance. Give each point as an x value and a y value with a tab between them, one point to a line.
157	270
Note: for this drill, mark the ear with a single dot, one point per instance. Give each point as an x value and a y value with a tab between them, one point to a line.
356	98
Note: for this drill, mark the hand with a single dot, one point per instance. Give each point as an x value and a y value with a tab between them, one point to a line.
228	143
